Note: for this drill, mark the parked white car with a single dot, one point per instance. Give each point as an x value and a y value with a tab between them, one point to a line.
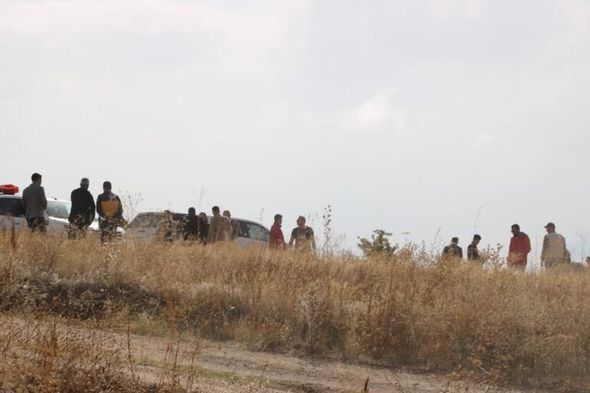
145	227
57	213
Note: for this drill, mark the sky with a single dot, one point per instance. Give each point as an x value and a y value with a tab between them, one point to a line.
426	118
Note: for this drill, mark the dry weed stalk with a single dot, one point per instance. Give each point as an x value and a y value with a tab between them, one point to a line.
402	309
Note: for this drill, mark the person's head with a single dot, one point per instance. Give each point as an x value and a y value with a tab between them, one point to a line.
550	228
515	229
36	178
476	239
301	221
167	214
203	216
84	183
191	211
278	219
455	240
107	186
226	213
215	210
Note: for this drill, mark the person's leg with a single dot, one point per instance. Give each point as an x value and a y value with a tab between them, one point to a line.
37	224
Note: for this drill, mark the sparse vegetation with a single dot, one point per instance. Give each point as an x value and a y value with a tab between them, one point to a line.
402	309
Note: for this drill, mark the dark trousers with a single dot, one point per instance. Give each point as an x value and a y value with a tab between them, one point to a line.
108	229
77	229
37	224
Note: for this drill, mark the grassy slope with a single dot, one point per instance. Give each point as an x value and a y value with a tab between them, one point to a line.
445	317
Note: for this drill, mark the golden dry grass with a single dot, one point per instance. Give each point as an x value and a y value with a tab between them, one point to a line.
445	317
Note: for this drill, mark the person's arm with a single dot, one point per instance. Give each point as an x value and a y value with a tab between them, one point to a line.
43	199
313	245
120	211
460	253
23	202
92	212
292	239
99	208
545	247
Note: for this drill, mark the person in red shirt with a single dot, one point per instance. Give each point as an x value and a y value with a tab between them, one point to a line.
277	240
520	247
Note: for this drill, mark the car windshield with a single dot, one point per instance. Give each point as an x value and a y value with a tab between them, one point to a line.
58	209
145	221
11	207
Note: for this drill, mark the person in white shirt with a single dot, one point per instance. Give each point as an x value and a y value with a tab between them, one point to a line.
554	249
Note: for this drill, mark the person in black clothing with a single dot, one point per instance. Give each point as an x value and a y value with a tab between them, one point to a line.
190	227
472	251
82	212
453	250
203	228
110	212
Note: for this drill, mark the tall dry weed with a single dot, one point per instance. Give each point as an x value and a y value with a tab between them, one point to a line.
403	310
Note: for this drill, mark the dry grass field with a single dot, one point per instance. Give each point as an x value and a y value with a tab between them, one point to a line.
400	312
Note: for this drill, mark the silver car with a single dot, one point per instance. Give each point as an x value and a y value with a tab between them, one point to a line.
145	227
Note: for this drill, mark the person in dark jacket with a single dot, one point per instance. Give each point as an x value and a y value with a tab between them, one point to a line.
82	212
472	251
190	227
34	204
453	250
110	212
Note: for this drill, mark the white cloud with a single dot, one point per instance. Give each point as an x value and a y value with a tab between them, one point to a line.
379	114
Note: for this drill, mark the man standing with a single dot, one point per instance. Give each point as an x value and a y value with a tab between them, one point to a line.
472	251
219	228
554	250
203	228
34	204
520	247
235	225
302	237
110	212
277	240
190	228
166	227
83	209
453	250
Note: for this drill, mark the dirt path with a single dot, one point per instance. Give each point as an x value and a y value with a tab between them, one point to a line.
206	366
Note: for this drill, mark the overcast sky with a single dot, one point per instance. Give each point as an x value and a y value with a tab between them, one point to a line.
405	115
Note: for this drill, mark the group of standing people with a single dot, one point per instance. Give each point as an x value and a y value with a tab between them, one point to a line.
198	228
554	251
221	228
108	206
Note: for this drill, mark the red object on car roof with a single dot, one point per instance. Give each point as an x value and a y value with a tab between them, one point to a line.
9	189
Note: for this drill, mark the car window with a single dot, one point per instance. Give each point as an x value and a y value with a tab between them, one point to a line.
144	221
58	209
253	231
11	207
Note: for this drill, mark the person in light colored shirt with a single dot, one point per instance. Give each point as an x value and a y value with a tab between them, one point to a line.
554	249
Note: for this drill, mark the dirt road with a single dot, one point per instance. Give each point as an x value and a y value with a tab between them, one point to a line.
205	366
